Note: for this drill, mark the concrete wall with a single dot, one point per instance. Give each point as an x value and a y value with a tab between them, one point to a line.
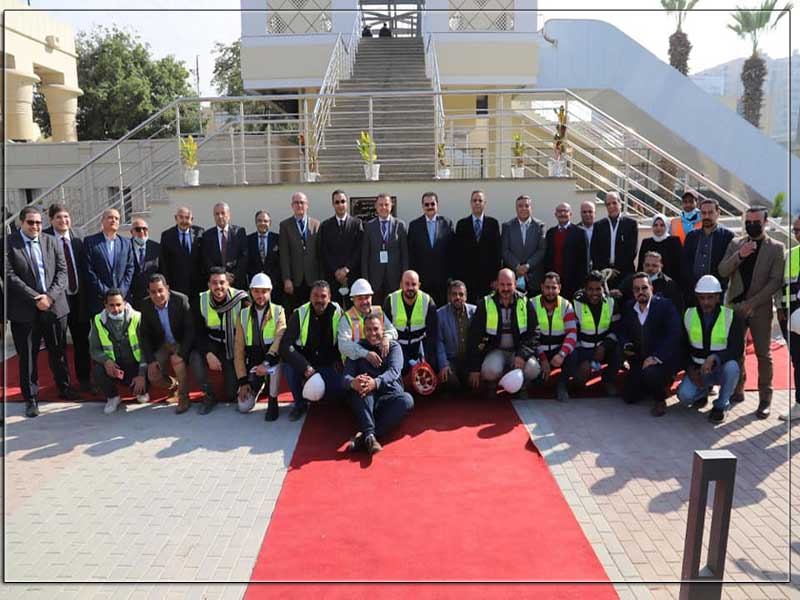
286	61
453	199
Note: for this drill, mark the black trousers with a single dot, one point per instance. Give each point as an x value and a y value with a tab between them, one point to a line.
199	366
652	381
27	338
79	330
794	353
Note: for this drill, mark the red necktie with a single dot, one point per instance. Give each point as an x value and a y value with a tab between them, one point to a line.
71	279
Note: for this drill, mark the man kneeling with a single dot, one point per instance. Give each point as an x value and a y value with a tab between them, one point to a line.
376	393
114	347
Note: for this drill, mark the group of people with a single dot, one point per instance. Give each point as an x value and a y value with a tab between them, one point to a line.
352	309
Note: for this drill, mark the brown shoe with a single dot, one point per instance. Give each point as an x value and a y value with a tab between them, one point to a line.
659	408
183	405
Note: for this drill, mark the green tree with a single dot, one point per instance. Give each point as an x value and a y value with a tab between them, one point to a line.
752	24
227	79
679	44
40	115
123	85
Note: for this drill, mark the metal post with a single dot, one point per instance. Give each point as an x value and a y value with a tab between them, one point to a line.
233	155
501	153
306	136
718	466
242	142
178	129
269	152
121	185
370	119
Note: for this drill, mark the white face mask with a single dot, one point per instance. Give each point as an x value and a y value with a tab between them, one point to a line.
118	317
140	241
653	277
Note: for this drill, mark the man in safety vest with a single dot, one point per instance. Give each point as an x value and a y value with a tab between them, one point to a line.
787	299
351	326
255	357
216	317
413	313
713	335
114	348
689	219
558	331
598	319
309	346
502	336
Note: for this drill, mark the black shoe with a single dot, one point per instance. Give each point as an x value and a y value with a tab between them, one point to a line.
356	443
70	394
207	406
700	403
737	398
271	414
716	415
297	412
372	445
86	387
659	409
763	409
32	408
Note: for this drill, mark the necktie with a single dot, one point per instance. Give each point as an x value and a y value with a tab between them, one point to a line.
524	229
141	258
35	263
72	280
385	230
478	229
341	225
301	229
431	232
262	246
185	242
224	249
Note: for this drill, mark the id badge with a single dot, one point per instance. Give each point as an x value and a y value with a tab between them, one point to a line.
383	256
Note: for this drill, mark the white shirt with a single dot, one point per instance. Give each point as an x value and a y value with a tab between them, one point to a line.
642	314
523	227
340	221
589	231
613	228
110	248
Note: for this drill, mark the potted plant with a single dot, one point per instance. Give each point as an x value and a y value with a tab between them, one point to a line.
518	150
557	166
191	176
443	171
366	148
313	172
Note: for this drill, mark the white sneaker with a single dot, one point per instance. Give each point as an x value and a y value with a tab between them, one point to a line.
143	398
794	413
112	404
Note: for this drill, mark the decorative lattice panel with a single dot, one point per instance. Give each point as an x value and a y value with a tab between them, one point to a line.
299	16
481	15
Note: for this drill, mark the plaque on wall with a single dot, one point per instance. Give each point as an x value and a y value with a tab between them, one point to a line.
363	207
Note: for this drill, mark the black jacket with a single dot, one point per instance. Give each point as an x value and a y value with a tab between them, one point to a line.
476	262
178	266
236	259
720	238
479	343
432	263
660	336
79	253
180	322
271	265
340	248
627	242
573	274
323	354
735	347
152	254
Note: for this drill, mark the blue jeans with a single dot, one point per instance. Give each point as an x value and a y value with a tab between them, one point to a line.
334	383
379	413
726	376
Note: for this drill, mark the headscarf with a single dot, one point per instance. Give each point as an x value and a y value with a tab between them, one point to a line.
663	218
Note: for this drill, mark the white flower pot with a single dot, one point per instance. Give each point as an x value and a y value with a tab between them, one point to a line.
556	168
517	172
443	174
311	177
372	172
191	177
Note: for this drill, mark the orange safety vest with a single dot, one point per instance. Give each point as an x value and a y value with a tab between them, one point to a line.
676	228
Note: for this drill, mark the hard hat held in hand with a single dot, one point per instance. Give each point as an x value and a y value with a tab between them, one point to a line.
512	381
794	322
422	379
708	284
261	281
361	287
314	389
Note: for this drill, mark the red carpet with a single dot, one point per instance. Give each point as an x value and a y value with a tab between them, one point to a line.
781	367
460	493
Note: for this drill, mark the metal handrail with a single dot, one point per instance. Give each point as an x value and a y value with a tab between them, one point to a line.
432	71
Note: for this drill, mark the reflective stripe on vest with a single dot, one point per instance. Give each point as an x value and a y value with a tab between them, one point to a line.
419	312
357	321
493	317
133	338
554	336
267	331
590	333
790	277
210	316
719	332
676	228
303	313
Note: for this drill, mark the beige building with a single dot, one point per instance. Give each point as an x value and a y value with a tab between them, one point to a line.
39	50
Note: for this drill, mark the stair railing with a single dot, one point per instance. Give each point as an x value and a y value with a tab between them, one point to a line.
440	119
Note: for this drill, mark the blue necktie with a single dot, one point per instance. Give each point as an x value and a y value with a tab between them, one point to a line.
187	244
431	231
35	261
141	258
302	229
478	229
385	230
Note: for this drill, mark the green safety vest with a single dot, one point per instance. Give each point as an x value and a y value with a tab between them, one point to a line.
790	276
133	337
419	312
210	316
303	314
267	331
493	316
552	337
719	332
590	334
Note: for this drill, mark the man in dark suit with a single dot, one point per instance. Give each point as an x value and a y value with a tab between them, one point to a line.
299	243
662	284
146	255
704	249
224	246
523	244
77	289
167	335
650	337
384	252
430	238
565	252
109	262
176	262
615	239
476	249
37	305
263	254
340	239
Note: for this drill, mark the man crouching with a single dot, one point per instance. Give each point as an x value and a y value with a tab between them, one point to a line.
376	393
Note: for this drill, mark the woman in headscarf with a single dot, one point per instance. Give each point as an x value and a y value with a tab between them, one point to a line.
668	246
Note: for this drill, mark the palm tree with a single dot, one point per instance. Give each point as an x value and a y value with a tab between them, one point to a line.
752	23
679	45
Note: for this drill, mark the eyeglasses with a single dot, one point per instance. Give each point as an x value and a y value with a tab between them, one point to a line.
429	204
137	229
340	201
32	223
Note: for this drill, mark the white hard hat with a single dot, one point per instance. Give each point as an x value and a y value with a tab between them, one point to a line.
708	284
361	287
261	281
794	321
314	389
512	381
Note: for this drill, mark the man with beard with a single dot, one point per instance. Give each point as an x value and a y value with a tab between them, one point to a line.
413	313
351	327
453	321
703	250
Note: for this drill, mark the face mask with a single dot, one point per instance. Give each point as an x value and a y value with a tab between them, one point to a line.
653	277
521	284
140	241
754	230
119	317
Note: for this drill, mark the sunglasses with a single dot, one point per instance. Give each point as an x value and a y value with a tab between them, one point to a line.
137	229
32	223
429	205
340	201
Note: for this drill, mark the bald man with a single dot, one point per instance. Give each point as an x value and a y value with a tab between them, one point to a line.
413	313
146	255
177	260
298	240
224	246
588	212
566	252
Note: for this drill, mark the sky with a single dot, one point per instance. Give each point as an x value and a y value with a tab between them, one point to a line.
192	32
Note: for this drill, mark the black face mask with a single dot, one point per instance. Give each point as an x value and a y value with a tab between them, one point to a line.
754	230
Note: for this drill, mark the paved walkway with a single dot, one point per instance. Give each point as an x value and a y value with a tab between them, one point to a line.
144	495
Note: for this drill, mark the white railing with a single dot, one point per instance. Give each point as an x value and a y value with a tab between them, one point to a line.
440	119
